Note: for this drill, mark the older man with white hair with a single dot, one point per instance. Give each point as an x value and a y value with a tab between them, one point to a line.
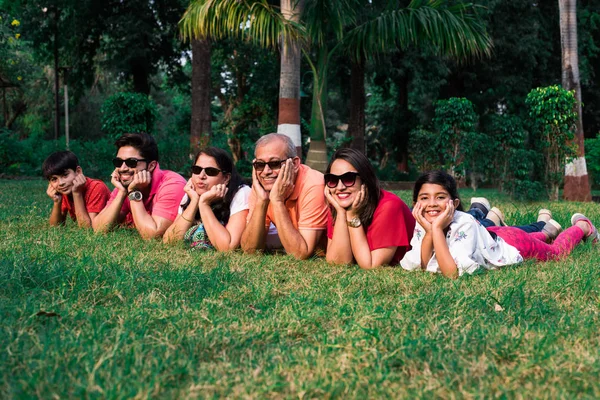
288	195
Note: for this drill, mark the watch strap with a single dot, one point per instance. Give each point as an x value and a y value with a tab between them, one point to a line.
354	222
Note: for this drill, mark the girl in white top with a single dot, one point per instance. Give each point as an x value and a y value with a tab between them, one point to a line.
214	209
451	242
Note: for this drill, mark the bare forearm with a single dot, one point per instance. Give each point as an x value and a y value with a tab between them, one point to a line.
339	250
219	235
110	215
182	223
177	230
254	236
426	250
83	218
360	248
442	252
291	239
56	216
144	223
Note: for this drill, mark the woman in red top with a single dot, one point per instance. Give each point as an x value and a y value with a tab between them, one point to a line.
367	225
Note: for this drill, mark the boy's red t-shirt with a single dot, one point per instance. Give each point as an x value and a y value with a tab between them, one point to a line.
95	197
393	225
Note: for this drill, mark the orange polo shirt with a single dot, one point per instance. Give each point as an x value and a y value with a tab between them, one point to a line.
306	206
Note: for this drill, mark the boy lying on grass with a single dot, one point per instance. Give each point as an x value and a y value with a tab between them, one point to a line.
82	198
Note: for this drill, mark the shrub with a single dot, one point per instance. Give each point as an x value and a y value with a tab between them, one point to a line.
455	122
512	161
423	150
526	190
553	117
592	158
455	145
128	112
23	157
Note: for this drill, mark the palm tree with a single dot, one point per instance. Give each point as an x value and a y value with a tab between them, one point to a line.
452	29
577	187
288	121
262	23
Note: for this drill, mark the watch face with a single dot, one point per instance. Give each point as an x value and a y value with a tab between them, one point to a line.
135	195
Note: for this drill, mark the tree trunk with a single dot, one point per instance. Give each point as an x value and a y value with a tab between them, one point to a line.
317	152
56	82
140	72
200	130
577	186
289	79
356	125
404	121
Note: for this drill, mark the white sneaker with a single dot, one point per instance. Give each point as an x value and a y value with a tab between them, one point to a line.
496	216
482	203
593	233
544	215
552	229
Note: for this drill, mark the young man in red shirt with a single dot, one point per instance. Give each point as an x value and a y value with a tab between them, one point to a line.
73	193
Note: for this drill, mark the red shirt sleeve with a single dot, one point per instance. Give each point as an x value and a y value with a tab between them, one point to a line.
96	195
329	225
65	206
392	224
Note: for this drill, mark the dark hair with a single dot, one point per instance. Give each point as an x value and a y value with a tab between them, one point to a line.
438	178
225	163
142	142
367	175
58	163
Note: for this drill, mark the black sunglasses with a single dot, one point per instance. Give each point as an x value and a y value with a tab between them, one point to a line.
130	162
274	165
209	171
348	179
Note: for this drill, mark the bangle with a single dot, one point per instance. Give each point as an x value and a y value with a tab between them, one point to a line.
186	218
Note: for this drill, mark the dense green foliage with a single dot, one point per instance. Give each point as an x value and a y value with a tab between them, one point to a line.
592	149
87	315
133	46
553	115
128	112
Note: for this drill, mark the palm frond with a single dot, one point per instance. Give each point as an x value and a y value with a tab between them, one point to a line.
325	18
453	30
257	21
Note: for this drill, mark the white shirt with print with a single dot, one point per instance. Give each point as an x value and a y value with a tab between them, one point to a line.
470	244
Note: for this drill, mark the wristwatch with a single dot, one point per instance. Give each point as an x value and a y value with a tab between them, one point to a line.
354	222
135	195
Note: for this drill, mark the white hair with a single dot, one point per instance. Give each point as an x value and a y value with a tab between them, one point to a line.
271	137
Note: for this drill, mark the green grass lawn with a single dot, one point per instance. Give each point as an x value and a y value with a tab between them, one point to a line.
112	316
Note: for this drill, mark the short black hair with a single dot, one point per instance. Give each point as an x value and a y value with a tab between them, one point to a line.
142	142
58	163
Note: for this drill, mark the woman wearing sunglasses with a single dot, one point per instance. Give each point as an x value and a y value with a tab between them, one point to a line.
214	209
367	225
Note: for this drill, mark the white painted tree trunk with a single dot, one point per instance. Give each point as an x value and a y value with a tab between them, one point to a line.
577	186
289	78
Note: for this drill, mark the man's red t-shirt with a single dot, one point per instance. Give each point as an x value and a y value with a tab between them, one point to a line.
95	196
393	225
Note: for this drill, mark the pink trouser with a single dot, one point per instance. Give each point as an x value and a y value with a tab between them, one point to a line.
533	245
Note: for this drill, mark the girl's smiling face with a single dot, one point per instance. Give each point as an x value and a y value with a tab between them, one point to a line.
434	199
